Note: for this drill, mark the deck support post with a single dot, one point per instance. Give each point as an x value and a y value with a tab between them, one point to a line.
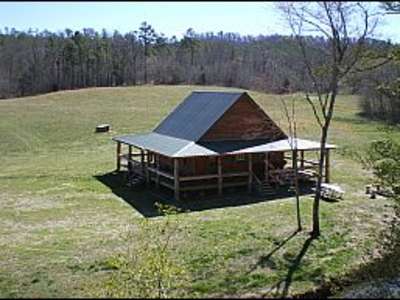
302	159
142	160
266	170
130	152
147	169
157	158
327	166
118	156
219	163
250	167
176	178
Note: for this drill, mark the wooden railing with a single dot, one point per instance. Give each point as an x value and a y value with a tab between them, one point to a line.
211	176
161	173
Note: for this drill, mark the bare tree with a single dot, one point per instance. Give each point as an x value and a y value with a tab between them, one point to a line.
292	126
346	27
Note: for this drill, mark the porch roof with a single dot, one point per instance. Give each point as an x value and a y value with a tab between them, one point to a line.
287	145
165	145
176	147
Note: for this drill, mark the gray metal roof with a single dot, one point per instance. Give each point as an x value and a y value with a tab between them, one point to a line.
163	144
285	145
175	147
196	114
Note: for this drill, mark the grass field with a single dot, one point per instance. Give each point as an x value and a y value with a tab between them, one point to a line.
58	223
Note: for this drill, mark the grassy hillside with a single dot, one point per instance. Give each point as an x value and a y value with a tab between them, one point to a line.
58	223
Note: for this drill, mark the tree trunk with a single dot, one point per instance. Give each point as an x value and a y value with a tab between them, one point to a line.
145	64
316	232
191	56
316	228
296	184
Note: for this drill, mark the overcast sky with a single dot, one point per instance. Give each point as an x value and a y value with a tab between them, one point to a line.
170	18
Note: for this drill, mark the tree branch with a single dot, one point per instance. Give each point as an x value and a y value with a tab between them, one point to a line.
317	117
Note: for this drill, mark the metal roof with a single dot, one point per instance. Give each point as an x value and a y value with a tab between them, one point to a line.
286	145
165	145
175	147
196	114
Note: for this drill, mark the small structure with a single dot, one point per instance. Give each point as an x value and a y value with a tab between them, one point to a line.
213	141
103	128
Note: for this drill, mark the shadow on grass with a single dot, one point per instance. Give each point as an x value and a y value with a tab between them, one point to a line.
144	199
359	120
264	261
281	288
286	266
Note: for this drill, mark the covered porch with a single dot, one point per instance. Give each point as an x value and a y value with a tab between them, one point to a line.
255	167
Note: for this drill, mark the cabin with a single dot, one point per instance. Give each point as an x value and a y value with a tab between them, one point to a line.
213	141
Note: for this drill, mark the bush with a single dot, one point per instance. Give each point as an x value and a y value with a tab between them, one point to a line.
383	157
147	267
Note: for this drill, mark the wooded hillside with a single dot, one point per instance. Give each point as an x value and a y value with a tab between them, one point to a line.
37	62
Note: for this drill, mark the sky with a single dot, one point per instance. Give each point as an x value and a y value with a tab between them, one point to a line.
170	18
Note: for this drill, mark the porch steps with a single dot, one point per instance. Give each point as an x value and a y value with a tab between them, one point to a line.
135	181
135	178
266	189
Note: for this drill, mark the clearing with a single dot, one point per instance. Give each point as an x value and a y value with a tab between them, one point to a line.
59	223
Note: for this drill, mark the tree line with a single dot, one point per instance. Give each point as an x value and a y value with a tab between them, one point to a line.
37	62
33	62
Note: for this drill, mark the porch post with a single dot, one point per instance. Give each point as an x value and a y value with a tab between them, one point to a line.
250	167
219	162
266	170
302	159
147	168
157	158
327	175
118	156
176	178
142	160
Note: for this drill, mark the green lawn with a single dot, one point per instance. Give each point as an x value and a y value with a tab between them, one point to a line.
58	222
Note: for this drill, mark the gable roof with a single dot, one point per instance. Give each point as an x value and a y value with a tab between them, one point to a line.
196	114
179	134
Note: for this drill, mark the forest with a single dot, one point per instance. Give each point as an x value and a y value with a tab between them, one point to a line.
35	62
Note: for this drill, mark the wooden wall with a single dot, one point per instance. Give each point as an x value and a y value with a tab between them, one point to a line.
245	120
230	164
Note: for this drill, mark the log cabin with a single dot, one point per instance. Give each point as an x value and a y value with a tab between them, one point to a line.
213	141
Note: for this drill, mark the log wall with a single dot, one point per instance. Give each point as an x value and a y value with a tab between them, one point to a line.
245	120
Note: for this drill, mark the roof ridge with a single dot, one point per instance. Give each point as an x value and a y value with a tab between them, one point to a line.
184	148
220	92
